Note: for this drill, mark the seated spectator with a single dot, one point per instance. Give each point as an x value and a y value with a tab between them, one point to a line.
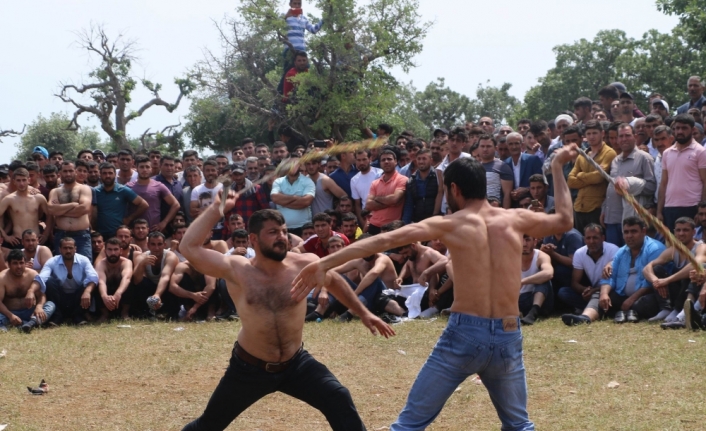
69	280
561	249
536	293
423	198
625	293
140	231
97	245
194	293
175	240
386	195
317	243
127	250
22	300
241	244
345	205
349	227
112	201
418	270
669	274
114	274
701	216
588	262
151	277
307	232
35	255
293	195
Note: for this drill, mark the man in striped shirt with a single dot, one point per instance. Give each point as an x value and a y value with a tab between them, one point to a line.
297	23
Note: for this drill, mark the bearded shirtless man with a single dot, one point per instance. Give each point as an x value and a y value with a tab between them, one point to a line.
70	204
127	250
483	334
24	210
22	302
269	354
114	274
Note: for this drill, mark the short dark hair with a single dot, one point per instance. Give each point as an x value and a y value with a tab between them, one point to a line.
702	204
15	255
154	152
279	144
487	137
537	178
78	156
610	92
300	54
258	219
654	118
459	132
32	167
139	221
112	241
686	220
386	127
106	165
322	217
156	234
66	239
684	119
593	226
469	176
389	151
663	128
634	221
165	158
82	163
524	121
210	163
189	153
349	217
307	225
583	102
537	127
574	129
592	125
28	232
142	159
56	153
126	152
50	168
393	225
94	234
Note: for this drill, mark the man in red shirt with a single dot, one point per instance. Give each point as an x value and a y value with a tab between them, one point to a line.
318	244
386	197
301	65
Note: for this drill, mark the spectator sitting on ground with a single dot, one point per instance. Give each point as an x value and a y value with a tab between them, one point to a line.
68	281
97	246
35	255
127	250
22	301
140	231
151	278
193	292
561	249
419	260
588	262
349	227
536	293
318	242
114	274
669	273
241	244
625	293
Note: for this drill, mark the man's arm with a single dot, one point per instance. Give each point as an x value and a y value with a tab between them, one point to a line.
139	273
408	207
5	311
372	203
55	208
664	257
506	186
576	276
702	174
43	208
126	274
174	208
85	197
333	188
282	199
359	212
169	264
661	193
393	199
545	273
301	202
141	205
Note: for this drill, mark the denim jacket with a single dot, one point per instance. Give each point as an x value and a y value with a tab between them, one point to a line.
651	249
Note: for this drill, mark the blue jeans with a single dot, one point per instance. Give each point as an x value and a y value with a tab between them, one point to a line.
26	314
571	298
471	345
82	238
614	234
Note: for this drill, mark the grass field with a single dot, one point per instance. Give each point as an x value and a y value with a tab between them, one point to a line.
151	377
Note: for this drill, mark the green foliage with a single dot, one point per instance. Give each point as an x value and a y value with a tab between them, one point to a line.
51	133
691	13
438	106
494	102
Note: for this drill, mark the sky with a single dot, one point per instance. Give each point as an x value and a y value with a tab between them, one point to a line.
471	42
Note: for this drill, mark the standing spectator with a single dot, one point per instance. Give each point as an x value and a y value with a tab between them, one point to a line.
56	157
538	192
293	195
112	201
202	195
251	169
696	95
457	139
190	158
254	199
326	188
94	177
683	174
361	182
422	191
192	179
69	280
222	161
498	175
412	148
345	172
155	157
167	176
589	182
660	107
438	149
332	164
583	109
248	147
70	205
155	194
323	232
652	121
24	210
51	179
636	166
126	174
662	139
523	166
608	95
386	196
279	152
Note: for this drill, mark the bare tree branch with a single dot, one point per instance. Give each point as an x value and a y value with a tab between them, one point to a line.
11	133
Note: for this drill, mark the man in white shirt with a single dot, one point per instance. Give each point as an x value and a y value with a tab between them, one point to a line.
457	139
360	183
202	195
588	263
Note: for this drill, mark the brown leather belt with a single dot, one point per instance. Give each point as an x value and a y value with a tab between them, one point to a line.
270	367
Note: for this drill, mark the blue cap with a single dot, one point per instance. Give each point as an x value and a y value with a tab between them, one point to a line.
43	151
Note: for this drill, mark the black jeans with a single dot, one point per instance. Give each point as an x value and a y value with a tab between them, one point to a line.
305	379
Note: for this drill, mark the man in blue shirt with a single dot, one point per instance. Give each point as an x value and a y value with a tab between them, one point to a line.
69	280
423	197
626	293
112	199
346	170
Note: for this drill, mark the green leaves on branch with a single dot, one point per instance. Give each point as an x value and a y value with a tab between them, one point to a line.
691	14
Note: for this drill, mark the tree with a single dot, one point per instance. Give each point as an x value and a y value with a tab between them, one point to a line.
346	86
438	106
691	13
111	87
494	102
51	133
11	133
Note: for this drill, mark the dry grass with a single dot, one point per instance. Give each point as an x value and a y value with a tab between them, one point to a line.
150	377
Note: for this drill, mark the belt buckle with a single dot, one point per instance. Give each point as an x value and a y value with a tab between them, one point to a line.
267	367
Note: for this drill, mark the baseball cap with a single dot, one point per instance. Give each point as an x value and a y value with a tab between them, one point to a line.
239	168
4	170
43	151
626	95
99	152
442	131
620	86
659	101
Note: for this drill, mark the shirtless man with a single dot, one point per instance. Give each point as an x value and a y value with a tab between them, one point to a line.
269	355
193	290
24	211
151	276
35	255
127	250
114	273
70	205
22	302
483	334
419	259
140	230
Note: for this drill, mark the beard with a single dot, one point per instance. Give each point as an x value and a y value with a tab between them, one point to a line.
451	201
109	182
68	180
112	259
683	139
274	254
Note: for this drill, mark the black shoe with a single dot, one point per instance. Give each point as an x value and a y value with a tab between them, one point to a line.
692	318
677	324
575	319
632	316
390	318
345	317
531	317
28	326
313	317
620	317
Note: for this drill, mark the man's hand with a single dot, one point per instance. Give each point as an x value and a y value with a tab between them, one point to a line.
375	324
608	270
621	186
85	300
109	302
151	260
660	285
548	248
539	208
200	298
30	301
697	278
422	279
398	283
158	305
311	277
433	296
587	293
323	298
11	239
40	314
240	251
565	154
159	227
15	321
604	302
